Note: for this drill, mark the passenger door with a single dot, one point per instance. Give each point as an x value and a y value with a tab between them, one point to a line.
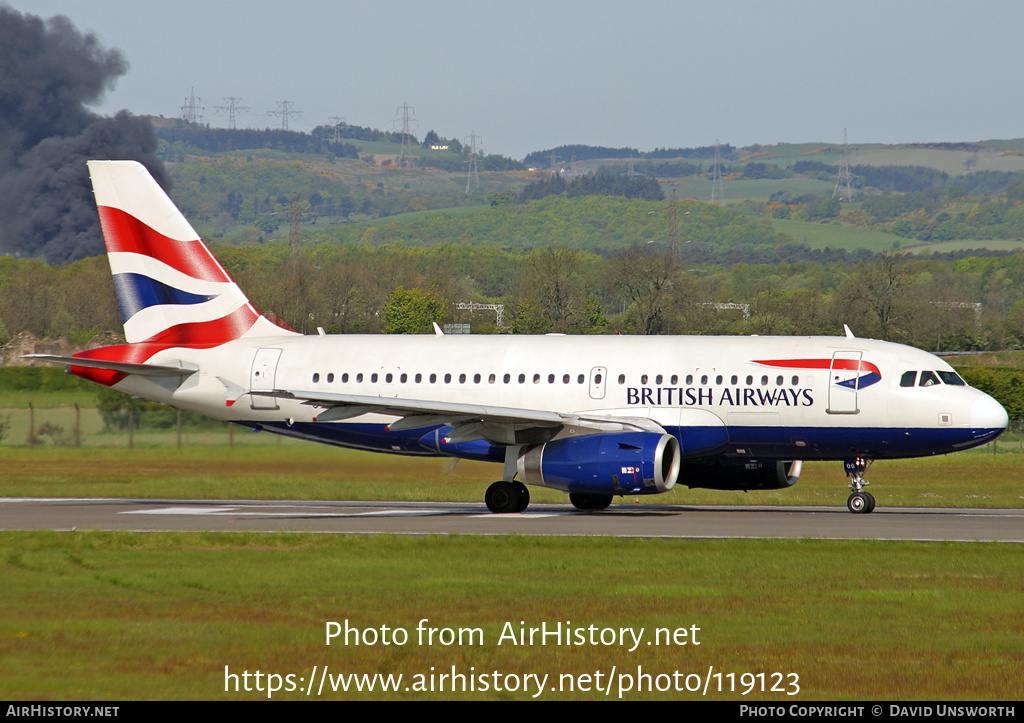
263	377
843	381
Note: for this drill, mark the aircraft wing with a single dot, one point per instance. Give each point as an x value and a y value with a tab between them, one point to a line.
500	425
182	369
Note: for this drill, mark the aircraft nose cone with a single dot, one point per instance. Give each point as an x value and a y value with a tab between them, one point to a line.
987	413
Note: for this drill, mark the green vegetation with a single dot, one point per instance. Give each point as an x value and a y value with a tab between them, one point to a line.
123	616
918	299
817	235
261	467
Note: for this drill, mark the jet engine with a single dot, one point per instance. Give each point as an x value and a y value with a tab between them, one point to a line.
748	475
605	464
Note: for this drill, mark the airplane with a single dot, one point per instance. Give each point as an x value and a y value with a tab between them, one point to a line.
593	416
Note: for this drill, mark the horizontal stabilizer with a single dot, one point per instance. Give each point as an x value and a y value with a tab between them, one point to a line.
180	369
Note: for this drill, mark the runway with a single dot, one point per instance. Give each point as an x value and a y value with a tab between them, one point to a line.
464	518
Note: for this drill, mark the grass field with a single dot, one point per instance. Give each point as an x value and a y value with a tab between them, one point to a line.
159	616
122	616
940	247
299	470
699	188
833	235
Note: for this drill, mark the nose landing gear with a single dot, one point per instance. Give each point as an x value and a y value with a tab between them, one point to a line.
860	500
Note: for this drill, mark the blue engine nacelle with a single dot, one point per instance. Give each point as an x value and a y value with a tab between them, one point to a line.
634	463
750	475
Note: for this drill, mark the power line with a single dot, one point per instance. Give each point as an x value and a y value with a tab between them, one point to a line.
337	122
843	177
192	111
473	178
285	112
554	160
717	194
232	108
406	110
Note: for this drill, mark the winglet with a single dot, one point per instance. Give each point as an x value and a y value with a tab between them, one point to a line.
849	334
437	329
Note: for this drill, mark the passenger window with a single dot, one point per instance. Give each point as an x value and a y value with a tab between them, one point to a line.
657	379
316	377
462	378
507	378
718	379
778	381
344	378
388	377
536	378
522	379
704	379
597	379
404	378
733	379
551	378
764	381
373	378
419	377
750	380
908	379
643	379
580	379
795	381
622	379
433	378
359	378
689	379
330	378
476	378
928	379
674	380
447	378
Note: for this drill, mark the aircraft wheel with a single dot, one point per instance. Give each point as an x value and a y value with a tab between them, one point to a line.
871	502
586	501
860	503
502	497
524	496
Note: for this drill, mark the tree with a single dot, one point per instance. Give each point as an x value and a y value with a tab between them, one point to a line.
553	278
647	278
881	291
268	223
412	311
1015	190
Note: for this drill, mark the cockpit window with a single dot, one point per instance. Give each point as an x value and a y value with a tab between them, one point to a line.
908	379
952	378
928	379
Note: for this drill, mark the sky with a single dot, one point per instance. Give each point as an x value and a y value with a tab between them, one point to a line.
532	75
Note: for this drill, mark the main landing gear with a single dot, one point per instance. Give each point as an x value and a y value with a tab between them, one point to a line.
589	501
860	501
505	497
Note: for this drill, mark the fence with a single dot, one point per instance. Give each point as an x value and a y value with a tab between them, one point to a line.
80	426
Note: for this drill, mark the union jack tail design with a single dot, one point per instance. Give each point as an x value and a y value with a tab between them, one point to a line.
171	289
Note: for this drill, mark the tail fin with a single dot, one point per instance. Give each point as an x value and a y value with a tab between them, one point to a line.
171	289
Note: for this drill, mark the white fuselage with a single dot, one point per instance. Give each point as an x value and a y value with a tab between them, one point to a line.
819	398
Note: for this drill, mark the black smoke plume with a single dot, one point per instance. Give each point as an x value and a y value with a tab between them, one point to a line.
49	74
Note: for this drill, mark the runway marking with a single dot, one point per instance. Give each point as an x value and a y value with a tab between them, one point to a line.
517	515
275	511
180	511
240	512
